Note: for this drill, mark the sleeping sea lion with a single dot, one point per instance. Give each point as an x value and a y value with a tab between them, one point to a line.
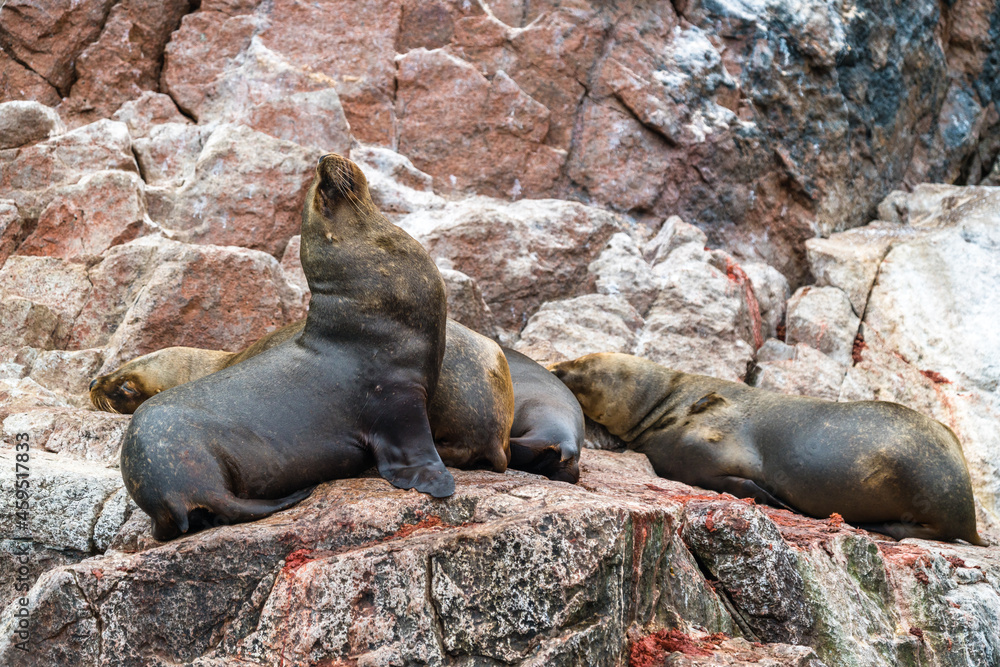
879	465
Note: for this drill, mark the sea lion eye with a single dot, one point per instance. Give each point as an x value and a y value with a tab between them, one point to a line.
129	389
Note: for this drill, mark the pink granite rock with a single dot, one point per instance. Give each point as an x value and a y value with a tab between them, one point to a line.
104	209
246	190
48	35
521	254
491	143
124	60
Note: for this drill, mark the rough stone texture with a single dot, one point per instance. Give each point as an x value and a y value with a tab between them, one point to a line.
569	329
17	82
83	435
520	254
798	369
183	299
11	229
823	318
147	111
30	175
125	60
65	371
48	36
621	270
466	304
396	186
521	570
490	144
104	209
771	290
66	499
247	189
703	320
23	123
46	294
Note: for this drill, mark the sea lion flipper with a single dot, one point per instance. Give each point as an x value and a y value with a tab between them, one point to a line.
747	488
237	510
406	457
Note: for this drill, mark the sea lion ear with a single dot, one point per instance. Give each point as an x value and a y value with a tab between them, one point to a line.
339	177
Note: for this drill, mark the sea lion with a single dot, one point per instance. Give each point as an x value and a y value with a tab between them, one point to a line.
877	464
351	390
471	411
548	428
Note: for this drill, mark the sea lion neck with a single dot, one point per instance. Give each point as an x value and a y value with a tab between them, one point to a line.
650	401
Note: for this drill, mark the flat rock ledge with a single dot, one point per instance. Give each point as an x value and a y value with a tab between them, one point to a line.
623	569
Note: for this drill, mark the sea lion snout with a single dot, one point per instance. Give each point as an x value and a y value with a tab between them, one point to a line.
339	177
93	383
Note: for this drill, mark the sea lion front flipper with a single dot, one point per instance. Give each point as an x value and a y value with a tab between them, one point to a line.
405	454
747	488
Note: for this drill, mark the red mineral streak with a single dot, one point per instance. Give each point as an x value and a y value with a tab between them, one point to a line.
935	377
859	348
297	559
735	273
918	633
651	651
408	529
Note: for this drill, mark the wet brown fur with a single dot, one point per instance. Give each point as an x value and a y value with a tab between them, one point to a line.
875	463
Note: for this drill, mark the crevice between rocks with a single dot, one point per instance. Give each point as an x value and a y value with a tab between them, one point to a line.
436	622
95	613
711	581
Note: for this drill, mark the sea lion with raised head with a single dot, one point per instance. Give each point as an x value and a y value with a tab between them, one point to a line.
470	413
349	391
879	465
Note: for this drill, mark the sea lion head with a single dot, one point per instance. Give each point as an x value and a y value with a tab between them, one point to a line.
120	391
127	387
609	386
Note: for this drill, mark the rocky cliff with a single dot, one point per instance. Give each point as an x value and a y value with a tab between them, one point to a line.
736	188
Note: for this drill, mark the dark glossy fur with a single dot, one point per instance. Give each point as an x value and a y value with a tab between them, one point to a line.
350	391
548	428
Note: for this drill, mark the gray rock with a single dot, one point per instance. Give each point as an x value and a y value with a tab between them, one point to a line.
23	123
822	317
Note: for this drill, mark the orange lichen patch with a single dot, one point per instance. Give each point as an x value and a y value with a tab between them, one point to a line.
98	574
955	561
935	377
710	522
802	531
651	651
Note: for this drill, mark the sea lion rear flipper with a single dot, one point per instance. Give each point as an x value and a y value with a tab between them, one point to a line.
236	510
747	488
406	456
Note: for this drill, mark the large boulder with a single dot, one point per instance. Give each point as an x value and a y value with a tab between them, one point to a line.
521	570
